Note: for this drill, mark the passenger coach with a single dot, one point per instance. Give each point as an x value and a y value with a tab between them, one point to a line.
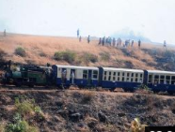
160	80
76	75
128	79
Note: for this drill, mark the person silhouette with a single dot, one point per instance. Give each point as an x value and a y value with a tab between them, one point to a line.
78	33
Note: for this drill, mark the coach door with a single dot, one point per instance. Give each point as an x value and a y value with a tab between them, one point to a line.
89	78
64	76
72	76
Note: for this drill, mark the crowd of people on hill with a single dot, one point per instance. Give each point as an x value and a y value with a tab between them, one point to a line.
108	41
116	43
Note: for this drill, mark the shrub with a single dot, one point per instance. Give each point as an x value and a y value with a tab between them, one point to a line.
20	51
39	114
87	97
67	56
25	107
87	57
20	125
144	89
136	126
58	56
105	56
29	107
42	54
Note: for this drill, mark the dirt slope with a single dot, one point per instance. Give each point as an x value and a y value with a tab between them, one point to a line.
36	46
97	111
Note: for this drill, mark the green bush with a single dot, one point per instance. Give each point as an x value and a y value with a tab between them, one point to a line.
28	107
87	57
20	51
25	107
20	125
58	56
39	114
67	56
105	56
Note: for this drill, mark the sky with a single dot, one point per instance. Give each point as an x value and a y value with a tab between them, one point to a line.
154	19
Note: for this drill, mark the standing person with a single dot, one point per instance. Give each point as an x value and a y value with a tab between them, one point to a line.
113	42
139	43
126	43
109	40
4	32
63	78
80	39
78	33
103	41
164	43
119	42
73	77
88	39
99	41
132	43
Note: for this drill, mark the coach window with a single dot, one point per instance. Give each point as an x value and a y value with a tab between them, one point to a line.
162	79
150	78
132	74
109	77
128	77
173	80
114	75
95	74
136	77
85	74
118	75
123	77
118	78
141	76
167	80
105	74
156	79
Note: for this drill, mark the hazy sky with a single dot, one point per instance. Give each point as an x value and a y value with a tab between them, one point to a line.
154	19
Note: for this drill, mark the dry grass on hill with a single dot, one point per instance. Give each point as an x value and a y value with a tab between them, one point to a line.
40	50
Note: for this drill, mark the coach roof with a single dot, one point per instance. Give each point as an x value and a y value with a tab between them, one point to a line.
76	67
122	69
160	72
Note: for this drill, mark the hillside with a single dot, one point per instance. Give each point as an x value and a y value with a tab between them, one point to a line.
41	49
80	110
85	111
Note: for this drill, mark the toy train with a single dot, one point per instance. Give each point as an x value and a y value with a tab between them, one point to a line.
81	76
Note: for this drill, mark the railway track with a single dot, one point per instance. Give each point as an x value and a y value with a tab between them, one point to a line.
55	89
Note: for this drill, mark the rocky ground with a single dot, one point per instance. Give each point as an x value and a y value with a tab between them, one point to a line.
90	111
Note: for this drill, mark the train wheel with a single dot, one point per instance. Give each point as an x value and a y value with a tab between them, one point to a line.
170	92
31	85
111	90
18	84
